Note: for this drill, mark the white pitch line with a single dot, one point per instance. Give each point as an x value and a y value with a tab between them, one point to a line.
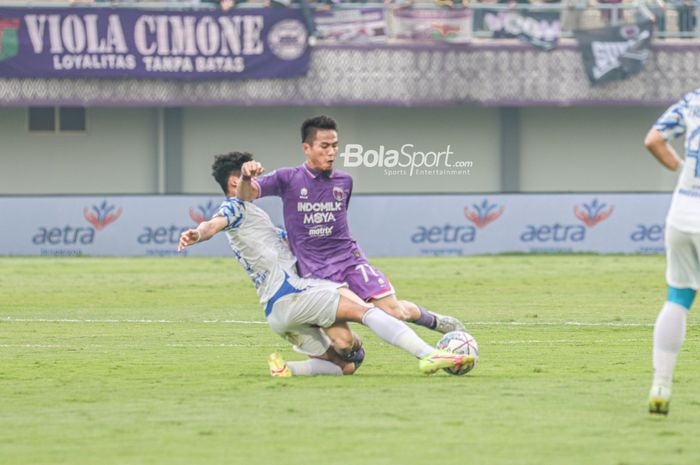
239	346
610	324
553	323
128	321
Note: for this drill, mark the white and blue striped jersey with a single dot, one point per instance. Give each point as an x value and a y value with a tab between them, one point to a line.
259	247
684	118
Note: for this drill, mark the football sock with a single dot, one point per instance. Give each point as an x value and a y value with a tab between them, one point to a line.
426	318
669	334
314	366
395	332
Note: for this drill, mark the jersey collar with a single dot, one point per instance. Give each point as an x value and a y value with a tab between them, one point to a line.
313	173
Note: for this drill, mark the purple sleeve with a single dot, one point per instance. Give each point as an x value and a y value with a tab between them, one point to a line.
349	194
273	183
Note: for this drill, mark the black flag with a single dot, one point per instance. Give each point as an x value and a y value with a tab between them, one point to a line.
615	52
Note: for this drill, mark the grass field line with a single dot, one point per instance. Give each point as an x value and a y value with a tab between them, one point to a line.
263	322
483	343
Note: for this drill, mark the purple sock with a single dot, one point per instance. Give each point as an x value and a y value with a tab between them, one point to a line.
426	318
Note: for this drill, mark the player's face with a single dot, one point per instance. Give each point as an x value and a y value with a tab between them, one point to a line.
321	152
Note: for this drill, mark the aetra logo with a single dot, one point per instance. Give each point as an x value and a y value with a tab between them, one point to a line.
406	159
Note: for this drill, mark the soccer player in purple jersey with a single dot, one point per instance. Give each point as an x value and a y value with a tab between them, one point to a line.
315	201
312	314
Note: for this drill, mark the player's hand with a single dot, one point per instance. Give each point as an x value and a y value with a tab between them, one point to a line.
187	238
252	168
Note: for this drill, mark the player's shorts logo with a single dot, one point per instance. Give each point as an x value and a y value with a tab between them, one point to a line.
594	213
203	212
483	213
338	194
287	39
101	216
9	40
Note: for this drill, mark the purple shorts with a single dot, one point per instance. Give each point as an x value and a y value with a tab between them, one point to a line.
364	280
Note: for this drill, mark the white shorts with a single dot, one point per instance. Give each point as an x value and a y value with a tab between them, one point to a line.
682	261
299	317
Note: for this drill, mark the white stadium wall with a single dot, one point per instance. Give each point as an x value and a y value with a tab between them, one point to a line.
579	149
273	135
116	154
590	149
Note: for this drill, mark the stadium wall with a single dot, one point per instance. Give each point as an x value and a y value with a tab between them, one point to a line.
117	154
126	150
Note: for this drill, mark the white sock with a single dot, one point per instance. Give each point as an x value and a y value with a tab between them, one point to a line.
669	334
395	332
314	366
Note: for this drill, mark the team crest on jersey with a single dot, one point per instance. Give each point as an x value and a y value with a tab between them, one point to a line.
304	193
338	193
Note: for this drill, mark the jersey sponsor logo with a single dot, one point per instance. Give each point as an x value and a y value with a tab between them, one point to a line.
100	216
593	213
319	206
318	218
321	231
202	213
484	213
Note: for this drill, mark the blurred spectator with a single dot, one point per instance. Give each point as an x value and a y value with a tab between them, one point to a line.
654	10
611	15
686	14
572	15
224	5
479	13
514	3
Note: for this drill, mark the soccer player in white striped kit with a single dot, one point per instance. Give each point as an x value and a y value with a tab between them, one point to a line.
312	314
682	240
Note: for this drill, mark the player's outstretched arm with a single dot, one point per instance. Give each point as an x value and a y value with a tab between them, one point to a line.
246	189
662	150
203	232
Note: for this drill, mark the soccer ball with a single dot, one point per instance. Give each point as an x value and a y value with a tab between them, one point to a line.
460	342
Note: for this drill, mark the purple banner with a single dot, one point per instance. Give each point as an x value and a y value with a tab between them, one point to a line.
97	42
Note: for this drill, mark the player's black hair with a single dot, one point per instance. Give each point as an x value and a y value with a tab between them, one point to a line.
311	125
226	164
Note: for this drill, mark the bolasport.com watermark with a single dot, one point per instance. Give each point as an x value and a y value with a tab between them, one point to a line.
406	160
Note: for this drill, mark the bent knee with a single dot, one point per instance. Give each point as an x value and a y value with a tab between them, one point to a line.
397	311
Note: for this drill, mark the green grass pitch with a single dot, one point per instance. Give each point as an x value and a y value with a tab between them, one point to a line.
162	361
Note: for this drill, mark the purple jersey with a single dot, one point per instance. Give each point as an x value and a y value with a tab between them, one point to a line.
315	215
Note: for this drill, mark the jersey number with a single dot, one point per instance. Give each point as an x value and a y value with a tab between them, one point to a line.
366	270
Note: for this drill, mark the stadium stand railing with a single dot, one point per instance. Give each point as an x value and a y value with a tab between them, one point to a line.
674	18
